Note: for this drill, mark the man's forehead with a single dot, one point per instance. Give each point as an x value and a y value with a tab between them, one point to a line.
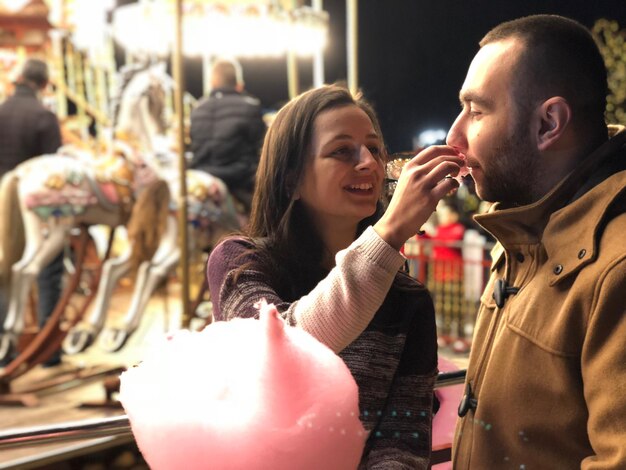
496	54
491	68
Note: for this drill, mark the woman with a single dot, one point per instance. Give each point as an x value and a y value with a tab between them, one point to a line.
318	249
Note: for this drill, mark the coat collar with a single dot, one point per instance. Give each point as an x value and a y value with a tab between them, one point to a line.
25	90
219	92
555	218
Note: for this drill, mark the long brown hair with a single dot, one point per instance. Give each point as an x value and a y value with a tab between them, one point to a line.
285	237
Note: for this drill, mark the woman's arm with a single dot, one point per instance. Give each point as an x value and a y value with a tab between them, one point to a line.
335	312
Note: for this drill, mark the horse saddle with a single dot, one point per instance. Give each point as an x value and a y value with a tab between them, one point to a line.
207	198
115	176
54	185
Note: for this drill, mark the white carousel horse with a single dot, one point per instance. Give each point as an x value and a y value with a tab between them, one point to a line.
51	195
55	194
210	207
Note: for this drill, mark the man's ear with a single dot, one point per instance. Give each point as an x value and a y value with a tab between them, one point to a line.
553	118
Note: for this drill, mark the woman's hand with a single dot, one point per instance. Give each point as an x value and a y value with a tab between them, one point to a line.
421	185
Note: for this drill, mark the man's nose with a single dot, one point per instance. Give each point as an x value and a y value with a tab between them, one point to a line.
456	135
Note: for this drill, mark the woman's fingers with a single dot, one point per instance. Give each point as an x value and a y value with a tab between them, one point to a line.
421	185
434	151
430	174
428	159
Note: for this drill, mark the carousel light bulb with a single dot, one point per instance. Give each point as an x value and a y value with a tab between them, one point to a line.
230	31
15	5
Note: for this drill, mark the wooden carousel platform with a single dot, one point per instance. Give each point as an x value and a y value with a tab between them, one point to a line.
81	399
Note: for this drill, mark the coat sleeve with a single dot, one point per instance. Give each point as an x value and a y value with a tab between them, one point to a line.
49	133
257	129
604	371
335	312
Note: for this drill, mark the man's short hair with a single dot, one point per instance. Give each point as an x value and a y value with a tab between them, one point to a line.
226	73
560	58
36	72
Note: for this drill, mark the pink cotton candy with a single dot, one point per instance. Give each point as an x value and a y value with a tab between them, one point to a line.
244	395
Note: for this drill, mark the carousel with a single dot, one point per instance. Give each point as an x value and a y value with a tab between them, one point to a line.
134	224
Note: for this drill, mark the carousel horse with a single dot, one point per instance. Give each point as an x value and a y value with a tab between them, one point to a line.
48	197
211	214
45	198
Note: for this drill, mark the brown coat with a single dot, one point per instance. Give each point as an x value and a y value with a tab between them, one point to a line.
548	368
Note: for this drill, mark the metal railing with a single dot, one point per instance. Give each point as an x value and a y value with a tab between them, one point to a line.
117	425
455	273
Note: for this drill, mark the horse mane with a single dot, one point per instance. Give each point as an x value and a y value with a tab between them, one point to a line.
140	106
12	240
148	222
126	74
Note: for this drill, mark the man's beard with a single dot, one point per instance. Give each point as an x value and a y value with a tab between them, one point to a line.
512	170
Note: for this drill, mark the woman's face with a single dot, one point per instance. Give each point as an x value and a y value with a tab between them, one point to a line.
343	176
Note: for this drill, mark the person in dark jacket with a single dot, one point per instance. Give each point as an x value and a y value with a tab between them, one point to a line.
28	129
227	130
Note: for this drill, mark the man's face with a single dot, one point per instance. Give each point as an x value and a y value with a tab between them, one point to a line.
491	132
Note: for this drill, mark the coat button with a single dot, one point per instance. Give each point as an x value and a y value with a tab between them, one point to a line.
558	269
582	253
468	402
519	257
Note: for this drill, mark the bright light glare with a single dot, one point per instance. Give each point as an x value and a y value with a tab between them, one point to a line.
237	32
14	5
430	137
90	28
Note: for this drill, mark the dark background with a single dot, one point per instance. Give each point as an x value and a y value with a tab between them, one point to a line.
413	55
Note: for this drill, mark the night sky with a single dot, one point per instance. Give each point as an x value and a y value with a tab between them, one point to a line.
413	55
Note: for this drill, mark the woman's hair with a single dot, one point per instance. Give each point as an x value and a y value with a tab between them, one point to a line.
285	238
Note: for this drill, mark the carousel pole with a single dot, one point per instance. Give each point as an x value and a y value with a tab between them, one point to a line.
179	78
207	63
110	68
352	14
318	58
59	68
293	79
70	65
80	82
102	101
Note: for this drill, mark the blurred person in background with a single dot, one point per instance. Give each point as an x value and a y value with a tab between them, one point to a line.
227	130
446	276
28	129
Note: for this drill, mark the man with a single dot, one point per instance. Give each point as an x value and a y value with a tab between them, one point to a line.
546	382
227	130
28	129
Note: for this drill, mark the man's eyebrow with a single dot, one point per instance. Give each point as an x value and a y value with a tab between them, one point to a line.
469	96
